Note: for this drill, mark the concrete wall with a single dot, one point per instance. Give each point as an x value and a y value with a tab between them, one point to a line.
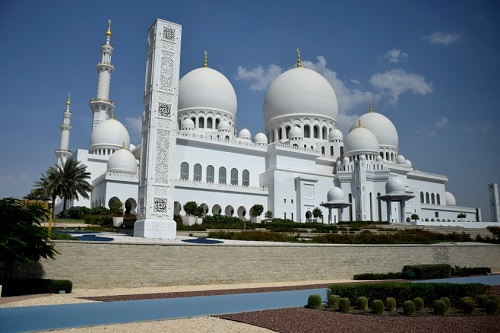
107	265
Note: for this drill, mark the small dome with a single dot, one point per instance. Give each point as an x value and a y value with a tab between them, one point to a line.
206	88
361	141
300	91
122	160
450	199
109	134
381	126
335	134
378	158
296	133
260	138
335	194
395	185
245	134
224	126
408	163
132	147
400	159
346	159
362	157
187	124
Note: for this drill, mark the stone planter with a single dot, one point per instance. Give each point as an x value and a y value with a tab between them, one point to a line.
117	221
199	220
255	219
189	220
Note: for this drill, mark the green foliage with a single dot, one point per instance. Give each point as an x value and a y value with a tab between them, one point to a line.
100	220
461	216
468	271
446	301
362	303
403	291
468	305
390	304
256	210
222	222
129	220
415	217
22	238
481	299
491	306
99	210
190	208
117	208
419	303
268	215
440	308
377	306
317	212
409	308
314	301
17	287
333	301
344	305
74	213
420	272
496	298
252	235
378	276
61	236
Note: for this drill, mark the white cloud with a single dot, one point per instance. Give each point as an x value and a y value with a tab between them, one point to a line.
426	132
394	56
441	122
395	82
442	38
484	126
345	122
134	124
262	77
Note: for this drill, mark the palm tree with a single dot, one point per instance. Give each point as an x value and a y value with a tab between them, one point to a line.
67	181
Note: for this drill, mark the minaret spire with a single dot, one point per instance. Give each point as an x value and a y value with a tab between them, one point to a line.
299	62
101	106
63	153
370	108
205	59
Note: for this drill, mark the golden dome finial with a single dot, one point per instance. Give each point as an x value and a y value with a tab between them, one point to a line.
113	114
299	63
205	58
359	123
370	108
108	33
68	102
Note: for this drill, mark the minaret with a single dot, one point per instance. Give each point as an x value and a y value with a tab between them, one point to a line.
63	152
101	106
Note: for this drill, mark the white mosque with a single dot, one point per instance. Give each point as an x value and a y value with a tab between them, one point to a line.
301	162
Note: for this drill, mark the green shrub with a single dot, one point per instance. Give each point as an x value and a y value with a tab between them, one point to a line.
468	305
378	276
481	299
468	271
409	308
344	305
17	287
333	301
100	220
314	301
377	306
447	301
496	298
362	303
419	303
440	308
491	306
390	304
420	272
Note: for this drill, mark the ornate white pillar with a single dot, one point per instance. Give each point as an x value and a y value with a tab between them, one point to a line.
159	123
63	153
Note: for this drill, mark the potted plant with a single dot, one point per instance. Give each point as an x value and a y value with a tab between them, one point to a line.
268	215
191	210
255	213
117	213
317	213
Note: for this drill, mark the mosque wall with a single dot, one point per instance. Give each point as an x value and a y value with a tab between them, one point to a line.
108	265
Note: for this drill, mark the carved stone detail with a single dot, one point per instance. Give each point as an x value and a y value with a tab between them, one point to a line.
168	33
164	110
160	205
162	149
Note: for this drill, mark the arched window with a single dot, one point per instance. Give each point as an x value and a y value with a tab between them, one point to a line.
316	131
210	174
341	152
246	178
179	125
438	199
234	176
421	197
194	121
432	199
323	151
427	197
307	131
287	129
197	173
184	171
217	121
280	133
210	122
387	156
201	122
325	133
222	175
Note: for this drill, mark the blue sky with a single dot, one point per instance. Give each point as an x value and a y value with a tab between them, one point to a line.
432	67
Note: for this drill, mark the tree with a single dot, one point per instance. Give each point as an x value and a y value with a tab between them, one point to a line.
117	208
461	215
37	194
191	208
268	215
22	239
67	181
415	217
256	210
317	212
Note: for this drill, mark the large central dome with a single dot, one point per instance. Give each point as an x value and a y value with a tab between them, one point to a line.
300	92
206	88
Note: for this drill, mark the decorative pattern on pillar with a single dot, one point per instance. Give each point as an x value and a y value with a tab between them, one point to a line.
102	107
159	125
63	153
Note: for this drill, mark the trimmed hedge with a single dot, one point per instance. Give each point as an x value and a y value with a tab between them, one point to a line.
468	271
333	301
420	272
468	305
409	308
440	308
390	304
344	305
378	306
378	276
403	291
18	287
491	306
419	303
362	303
314	301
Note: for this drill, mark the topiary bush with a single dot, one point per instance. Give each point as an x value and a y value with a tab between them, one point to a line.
481	299
362	303
468	305
440	308
419	303
390	304
409	308
377	306
491	306
344	305
333	301
446	301
434	271
314	301
496	298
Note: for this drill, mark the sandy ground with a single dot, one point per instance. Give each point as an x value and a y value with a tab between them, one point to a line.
197	324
